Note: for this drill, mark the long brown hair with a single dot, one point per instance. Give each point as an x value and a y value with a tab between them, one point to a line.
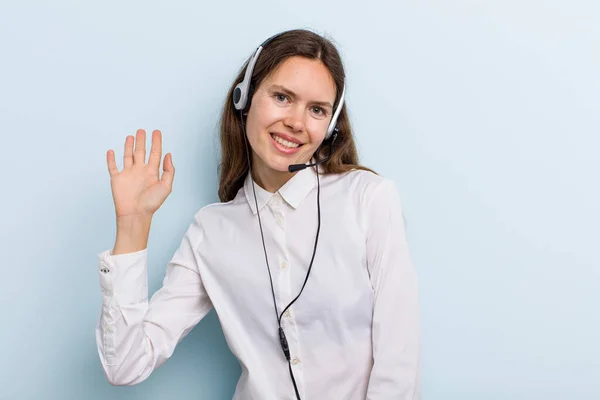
304	43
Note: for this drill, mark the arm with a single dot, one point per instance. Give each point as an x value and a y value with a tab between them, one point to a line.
135	336
396	327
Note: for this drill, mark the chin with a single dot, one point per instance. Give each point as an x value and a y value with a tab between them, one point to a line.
280	165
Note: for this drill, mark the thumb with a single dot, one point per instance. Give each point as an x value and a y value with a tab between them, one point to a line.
169	171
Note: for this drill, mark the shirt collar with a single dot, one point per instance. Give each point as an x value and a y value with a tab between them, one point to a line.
293	191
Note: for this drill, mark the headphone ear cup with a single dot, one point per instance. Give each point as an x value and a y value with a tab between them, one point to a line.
334	136
331	130
238	92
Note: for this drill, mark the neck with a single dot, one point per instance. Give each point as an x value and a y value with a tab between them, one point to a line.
269	179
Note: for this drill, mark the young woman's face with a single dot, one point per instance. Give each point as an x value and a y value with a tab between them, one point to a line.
289	114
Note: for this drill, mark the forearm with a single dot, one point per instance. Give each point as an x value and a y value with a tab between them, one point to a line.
120	337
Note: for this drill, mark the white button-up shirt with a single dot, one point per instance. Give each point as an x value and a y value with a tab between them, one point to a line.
352	334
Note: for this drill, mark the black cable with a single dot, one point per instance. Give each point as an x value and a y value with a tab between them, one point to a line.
259	221
282	337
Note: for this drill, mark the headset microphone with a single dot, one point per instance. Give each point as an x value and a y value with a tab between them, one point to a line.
300	167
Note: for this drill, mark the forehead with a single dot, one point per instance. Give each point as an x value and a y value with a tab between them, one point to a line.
308	78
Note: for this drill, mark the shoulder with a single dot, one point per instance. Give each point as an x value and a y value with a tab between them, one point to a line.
374	198
362	185
211	218
217	210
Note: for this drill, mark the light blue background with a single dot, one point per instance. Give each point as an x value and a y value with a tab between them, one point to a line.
486	114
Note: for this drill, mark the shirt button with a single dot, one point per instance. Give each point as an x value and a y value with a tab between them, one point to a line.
279	221
287	313
284	264
295	361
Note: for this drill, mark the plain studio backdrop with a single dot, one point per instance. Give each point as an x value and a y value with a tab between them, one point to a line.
485	114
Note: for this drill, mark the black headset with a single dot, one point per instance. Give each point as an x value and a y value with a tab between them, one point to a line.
242	97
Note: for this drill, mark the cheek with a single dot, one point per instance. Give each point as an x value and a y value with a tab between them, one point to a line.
258	120
317	130
266	113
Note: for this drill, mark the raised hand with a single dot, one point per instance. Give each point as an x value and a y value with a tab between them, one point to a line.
138	190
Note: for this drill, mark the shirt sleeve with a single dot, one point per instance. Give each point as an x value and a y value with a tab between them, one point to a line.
396	370
135	336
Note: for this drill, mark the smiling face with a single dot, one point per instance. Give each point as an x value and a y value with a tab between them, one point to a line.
288	118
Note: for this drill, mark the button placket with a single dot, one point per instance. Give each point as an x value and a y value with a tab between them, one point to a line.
285	285
291	330
283	276
276	204
293	337
289	322
297	359
279	219
283	266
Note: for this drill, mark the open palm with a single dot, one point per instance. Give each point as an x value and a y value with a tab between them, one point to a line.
138	189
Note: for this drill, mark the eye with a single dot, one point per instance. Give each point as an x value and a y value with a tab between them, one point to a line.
280	97
320	111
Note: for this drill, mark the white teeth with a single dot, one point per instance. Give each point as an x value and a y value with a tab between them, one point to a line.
285	142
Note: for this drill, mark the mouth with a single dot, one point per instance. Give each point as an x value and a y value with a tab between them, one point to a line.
284	145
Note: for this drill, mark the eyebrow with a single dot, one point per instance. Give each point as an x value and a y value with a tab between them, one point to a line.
294	95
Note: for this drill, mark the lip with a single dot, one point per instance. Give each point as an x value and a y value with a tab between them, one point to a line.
282	149
286	137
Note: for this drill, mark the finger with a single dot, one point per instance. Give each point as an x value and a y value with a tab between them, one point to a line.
112	165
169	172
139	155
155	151
128	156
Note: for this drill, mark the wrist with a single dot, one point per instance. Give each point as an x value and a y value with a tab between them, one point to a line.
132	234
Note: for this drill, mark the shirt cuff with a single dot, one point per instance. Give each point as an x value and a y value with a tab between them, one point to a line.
124	277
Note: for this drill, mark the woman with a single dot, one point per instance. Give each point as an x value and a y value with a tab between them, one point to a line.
308	271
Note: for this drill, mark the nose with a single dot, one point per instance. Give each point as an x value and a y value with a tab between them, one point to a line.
294	119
